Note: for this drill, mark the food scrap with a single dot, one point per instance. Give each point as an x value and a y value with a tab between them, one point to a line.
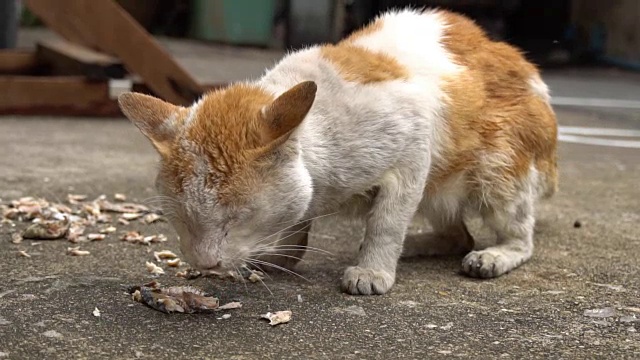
132	236
46	230
74	199
131	216
108	230
74	234
75	251
137	238
96	237
163	255
189	274
154	269
23	254
278	317
174	262
231	305
255	276
16	238
181	299
151	218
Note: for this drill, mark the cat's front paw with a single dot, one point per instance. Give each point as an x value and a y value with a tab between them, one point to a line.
363	281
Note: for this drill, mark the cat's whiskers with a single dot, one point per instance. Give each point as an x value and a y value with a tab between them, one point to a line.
160	197
244	282
235	258
290	226
303	247
164	202
276	233
277	254
266	263
281	239
292	247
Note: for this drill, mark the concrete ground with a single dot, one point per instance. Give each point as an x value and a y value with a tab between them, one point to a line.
537	311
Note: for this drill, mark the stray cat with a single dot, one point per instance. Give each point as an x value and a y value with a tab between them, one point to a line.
416	114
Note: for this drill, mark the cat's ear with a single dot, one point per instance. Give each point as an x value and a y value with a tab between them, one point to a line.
286	112
152	116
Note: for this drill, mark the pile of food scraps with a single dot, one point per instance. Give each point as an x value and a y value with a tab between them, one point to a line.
52	221
80	220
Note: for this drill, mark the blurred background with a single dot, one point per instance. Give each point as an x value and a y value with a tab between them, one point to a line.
552	32
204	44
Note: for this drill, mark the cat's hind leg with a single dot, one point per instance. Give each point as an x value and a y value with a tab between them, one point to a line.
513	223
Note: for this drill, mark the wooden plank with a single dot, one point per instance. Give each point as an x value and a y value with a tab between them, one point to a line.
66	58
18	62
52	95
65	96
104	25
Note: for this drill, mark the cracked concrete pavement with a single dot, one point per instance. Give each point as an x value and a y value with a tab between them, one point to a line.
46	301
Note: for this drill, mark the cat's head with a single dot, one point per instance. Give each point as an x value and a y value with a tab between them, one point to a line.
229	178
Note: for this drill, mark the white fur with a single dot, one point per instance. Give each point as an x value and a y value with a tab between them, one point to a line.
193	110
378	135
540	88
387	135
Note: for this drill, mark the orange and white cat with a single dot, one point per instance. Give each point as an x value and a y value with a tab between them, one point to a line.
417	114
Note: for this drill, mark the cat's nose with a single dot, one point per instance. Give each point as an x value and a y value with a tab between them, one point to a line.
209	265
203	262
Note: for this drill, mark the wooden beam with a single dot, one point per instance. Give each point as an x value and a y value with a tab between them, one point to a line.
52	95
18	62
66	58
104	25
65	96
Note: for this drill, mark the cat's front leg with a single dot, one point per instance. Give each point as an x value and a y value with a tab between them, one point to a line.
393	208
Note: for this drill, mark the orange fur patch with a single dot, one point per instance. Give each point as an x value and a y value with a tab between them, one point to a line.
493	112
360	65
357	64
231	128
226	128
178	164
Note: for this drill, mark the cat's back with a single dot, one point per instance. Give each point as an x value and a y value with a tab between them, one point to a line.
485	104
492	105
